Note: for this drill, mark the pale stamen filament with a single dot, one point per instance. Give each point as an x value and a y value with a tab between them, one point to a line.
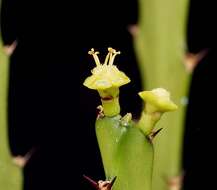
111	51
107	58
95	56
113	57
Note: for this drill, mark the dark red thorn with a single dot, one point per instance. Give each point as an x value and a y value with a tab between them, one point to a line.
92	182
154	133
112	182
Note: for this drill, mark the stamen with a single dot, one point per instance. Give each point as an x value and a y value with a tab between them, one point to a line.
94	54
107	58
111	51
113	57
91	52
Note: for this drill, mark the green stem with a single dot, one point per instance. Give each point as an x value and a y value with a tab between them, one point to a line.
111	107
4	146
148	121
110	101
134	161
10	174
161	46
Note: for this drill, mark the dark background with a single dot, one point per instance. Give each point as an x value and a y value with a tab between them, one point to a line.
51	112
200	134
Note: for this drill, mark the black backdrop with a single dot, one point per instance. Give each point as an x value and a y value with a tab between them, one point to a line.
51	112
200	144
49	108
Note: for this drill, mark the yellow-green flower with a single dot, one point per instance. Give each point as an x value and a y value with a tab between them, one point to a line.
158	100
105	75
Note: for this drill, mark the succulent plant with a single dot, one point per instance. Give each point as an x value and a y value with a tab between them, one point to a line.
126	145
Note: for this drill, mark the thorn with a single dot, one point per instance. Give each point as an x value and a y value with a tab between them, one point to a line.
106	185
175	182
92	182
112	182
191	60
153	134
21	161
101	185
9	49
100	113
133	30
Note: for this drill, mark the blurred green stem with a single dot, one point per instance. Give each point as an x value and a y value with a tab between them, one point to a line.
10	174
160	46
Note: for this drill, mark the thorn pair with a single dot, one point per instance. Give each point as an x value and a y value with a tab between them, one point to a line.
101	185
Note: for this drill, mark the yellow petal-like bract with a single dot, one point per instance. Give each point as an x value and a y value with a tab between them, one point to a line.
159	98
105	75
